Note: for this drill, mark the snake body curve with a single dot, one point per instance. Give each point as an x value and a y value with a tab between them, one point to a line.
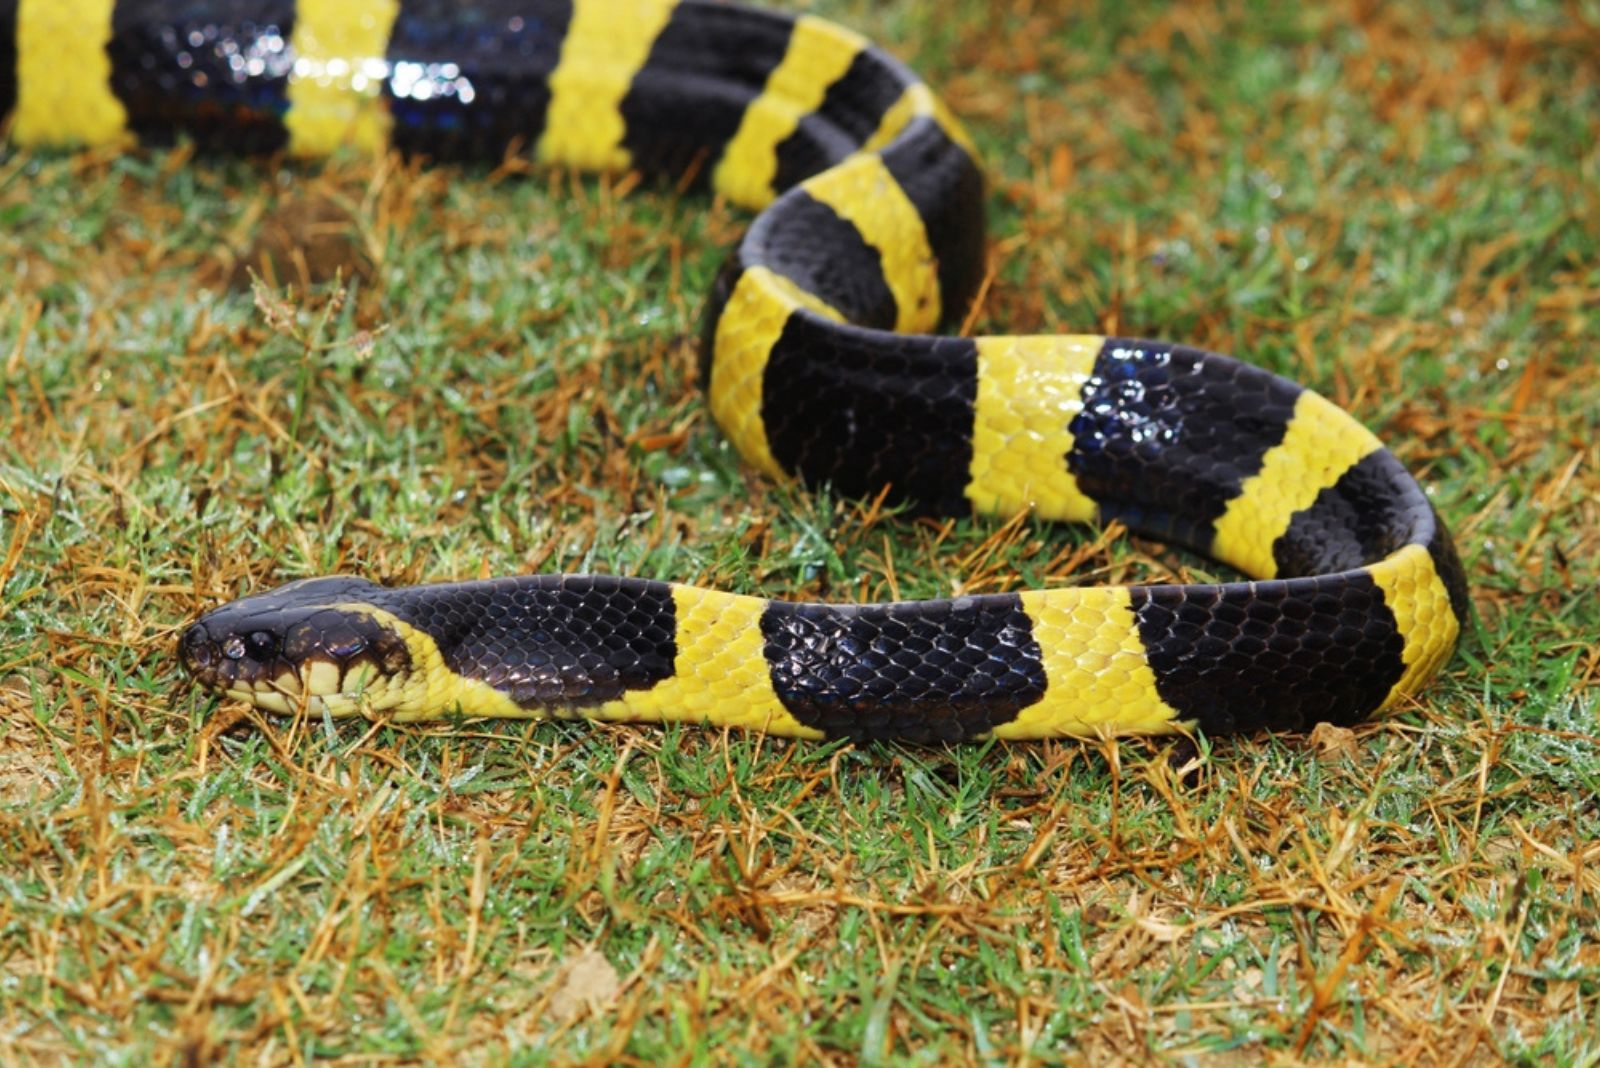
819	363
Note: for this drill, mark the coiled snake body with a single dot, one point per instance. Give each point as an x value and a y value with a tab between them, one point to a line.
818	364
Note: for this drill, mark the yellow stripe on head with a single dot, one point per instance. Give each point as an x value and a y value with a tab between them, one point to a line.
605	47
1098	680
720	675
1320	444
336	87
64	92
1029	390
1421	605
428	690
819	54
862	191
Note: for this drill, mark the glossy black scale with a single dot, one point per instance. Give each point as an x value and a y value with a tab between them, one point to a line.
1168	434
214	71
704	69
862	409
1372	510
932	671
808	242
469	81
563	641
1442	550
1283	654
8	58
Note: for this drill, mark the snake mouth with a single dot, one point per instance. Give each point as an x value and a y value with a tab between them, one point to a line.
287	653
274	684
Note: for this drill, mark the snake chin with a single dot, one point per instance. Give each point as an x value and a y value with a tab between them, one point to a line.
314	644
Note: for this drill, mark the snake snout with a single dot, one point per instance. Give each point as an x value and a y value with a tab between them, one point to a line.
314	644
196	650
220	657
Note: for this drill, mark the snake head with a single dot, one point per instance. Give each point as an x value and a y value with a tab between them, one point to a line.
317	642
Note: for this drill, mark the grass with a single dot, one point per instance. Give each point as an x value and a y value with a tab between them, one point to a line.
1398	207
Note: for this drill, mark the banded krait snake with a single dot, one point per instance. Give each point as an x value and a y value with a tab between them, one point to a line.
818	364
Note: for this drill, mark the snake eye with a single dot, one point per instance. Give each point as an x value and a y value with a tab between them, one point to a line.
233	648
261	644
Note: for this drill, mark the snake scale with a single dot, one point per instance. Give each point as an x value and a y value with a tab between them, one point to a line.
820	364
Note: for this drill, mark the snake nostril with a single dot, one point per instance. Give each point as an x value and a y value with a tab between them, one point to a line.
196	647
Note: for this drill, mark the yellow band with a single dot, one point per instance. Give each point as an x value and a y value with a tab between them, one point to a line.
605	47
819	54
336	86
1099	679
1029	390
862	190
64	92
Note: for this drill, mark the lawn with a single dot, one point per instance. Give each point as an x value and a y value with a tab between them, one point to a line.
1396	205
